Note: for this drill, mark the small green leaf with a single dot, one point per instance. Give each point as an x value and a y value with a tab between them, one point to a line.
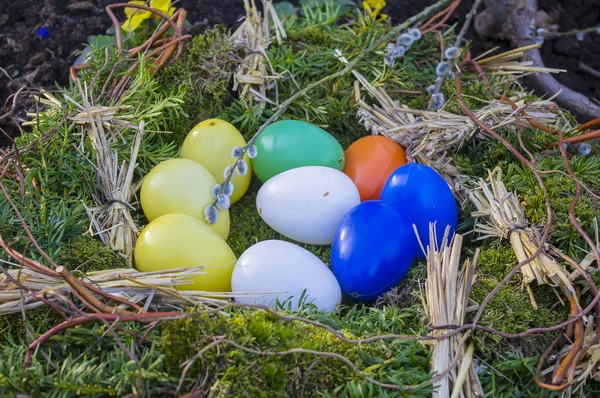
100	41
284	9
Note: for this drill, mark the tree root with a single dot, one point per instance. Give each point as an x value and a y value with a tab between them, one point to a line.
515	21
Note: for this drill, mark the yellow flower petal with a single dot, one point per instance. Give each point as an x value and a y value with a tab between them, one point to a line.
135	20
131	11
161	5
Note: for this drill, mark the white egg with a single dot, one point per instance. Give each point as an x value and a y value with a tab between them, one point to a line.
278	270
306	204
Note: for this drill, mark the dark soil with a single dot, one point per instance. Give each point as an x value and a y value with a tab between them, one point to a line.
36	62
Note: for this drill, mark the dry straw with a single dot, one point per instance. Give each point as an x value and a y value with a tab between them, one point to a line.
253	37
111	219
446	301
104	125
506	63
150	288
503	217
431	137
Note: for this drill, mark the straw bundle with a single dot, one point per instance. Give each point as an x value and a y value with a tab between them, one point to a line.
504	218
446	300
429	137
254	37
104	125
111	219
156	288
506	63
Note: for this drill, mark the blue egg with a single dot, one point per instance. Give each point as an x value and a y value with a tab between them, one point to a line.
373	249
423	195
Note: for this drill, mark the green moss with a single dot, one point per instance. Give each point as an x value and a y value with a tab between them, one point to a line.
310	35
561	190
203	72
37	320
84	254
511	310
233	372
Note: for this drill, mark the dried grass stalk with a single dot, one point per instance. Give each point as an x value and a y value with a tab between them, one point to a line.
504	217
447	290
253	37
156	288
506	63
589	258
430	137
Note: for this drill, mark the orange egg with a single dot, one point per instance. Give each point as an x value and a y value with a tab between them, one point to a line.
370	161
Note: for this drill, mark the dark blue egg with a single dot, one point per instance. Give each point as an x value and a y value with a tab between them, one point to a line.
423	195
373	249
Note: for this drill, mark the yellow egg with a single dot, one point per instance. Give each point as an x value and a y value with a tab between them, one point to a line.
210	143
177	240
181	186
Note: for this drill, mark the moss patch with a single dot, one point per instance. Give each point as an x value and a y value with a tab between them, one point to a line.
204	74
84	254
510	310
231	371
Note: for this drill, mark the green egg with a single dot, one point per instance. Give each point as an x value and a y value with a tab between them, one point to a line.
288	144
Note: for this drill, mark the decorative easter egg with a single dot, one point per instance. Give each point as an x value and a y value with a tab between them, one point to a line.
177	240
306	204
181	186
286	270
370	161
210	143
373	249
423	195
288	144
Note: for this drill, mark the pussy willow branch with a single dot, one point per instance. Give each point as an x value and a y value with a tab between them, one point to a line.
346	69
553	35
457	44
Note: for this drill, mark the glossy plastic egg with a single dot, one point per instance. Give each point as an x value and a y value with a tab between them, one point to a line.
177	240
181	186
370	161
210	143
286	270
424	197
288	144
373	249
306	204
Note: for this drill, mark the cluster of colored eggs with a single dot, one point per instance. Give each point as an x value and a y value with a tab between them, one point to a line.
363	202
175	194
